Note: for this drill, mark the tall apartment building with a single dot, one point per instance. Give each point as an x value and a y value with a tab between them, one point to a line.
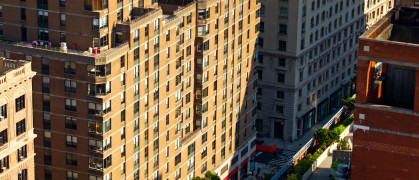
167	93
16	123
387	99
307	52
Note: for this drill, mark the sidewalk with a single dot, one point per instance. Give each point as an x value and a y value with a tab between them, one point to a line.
301	141
322	172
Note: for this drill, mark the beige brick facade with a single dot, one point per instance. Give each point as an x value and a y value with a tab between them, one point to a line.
169	95
16	123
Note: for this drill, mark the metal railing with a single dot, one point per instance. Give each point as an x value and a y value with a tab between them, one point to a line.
44	46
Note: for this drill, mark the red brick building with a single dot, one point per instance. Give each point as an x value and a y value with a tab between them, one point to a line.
386	136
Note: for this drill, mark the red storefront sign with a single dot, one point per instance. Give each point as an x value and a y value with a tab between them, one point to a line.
231	174
244	162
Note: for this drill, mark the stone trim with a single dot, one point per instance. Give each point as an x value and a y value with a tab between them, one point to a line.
387	108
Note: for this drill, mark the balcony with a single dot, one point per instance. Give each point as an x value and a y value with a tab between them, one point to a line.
98	89
190	136
97	166
95	112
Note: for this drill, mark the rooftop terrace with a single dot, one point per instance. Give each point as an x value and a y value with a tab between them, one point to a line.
402	25
70	54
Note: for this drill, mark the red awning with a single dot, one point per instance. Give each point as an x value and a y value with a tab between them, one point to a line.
265	148
232	173
253	154
244	162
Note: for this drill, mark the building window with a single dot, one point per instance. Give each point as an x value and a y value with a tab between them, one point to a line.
71	159
20	127
70	105
43	19
71	141
283	12
43	35
281	77
122	97
47	139
107	126
21	153
203	14
20	103
3	112
177	159
95	163
189	18
70	123
45	65
71	175
204	138
100	42
279	109
107	162
281	62
283	29
259	72
99	89
4	164
62	19
99	23
280	94
23	175
282	45
70	86
95	145
119	14
122	61
3	137
69	67
107	144
45	84
22	14
62	3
